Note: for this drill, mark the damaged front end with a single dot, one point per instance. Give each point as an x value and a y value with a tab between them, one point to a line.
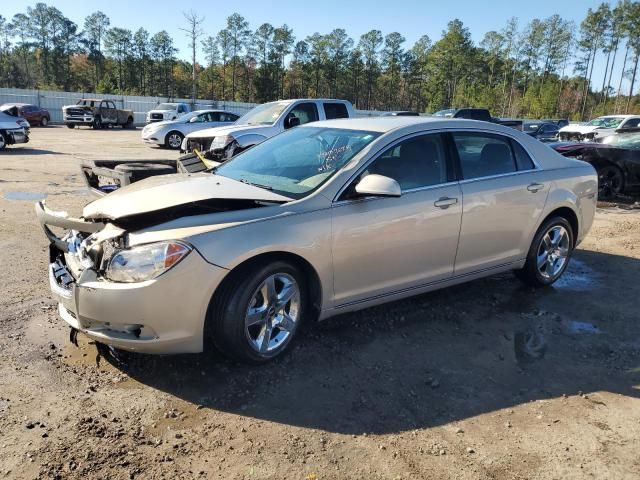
77	259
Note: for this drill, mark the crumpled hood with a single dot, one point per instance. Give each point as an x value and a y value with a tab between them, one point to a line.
228	130
579	129
165	191
9	122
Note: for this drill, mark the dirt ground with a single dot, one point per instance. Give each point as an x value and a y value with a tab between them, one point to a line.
485	380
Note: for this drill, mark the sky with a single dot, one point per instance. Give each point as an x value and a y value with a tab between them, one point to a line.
412	18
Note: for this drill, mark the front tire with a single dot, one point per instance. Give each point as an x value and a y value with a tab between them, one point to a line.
173	140
3	142
70	125
44	121
549	253
97	123
257	313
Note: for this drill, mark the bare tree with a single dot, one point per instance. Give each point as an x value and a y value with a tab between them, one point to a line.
194	32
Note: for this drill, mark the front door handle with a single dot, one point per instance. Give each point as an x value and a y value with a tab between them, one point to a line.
534	187
445	202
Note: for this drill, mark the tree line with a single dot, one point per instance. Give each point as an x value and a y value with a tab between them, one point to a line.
541	69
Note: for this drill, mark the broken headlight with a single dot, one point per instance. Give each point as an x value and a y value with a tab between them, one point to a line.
145	262
221	141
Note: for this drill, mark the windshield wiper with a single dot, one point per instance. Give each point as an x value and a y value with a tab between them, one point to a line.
266	187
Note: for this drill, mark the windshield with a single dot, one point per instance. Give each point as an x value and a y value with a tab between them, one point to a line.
626	140
187	116
606	122
165	106
445	113
263	114
531	127
297	161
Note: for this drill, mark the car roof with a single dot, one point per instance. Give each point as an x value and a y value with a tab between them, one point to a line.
213	110
17	105
388	123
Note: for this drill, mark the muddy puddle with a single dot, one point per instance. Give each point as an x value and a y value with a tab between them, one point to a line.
578	277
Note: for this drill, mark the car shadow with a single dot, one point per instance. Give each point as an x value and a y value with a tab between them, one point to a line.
26	151
432	359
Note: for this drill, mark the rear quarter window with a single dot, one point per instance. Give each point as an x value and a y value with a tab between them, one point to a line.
335	110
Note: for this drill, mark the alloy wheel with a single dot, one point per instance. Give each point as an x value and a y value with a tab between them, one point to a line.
175	140
273	314
553	252
609	181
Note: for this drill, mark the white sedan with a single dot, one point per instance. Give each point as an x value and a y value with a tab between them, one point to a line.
171	132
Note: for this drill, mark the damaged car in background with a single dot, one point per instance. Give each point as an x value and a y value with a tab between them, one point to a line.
12	130
324	219
616	159
598	128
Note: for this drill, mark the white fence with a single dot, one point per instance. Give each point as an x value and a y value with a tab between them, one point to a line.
54	101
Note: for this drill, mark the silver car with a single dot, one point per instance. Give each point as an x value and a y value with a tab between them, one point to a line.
170	133
322	219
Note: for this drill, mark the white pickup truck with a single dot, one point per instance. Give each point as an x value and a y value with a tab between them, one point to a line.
207	148
167	111
262	122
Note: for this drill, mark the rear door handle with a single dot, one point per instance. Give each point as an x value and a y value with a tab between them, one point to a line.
534	187
445	202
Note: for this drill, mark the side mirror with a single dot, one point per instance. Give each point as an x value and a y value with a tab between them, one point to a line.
291	122
379	186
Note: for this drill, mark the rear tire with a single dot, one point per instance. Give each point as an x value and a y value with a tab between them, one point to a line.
44	121
610	181
246	325
549	254
3	142
128	124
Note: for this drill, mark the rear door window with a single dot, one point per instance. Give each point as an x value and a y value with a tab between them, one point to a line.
335	110
484	154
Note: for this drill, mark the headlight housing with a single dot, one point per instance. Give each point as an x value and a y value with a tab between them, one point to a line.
145	262
23	123
221	141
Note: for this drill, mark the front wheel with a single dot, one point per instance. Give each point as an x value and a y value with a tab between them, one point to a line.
549	253
258	312
97	123
3	142
70	125
174	140
44	121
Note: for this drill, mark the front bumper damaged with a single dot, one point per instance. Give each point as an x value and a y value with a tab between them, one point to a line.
148	316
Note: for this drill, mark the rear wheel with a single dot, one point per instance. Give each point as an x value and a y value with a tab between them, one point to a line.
257	313
44	121
610	181
3	141
129	123
549	253
173	140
